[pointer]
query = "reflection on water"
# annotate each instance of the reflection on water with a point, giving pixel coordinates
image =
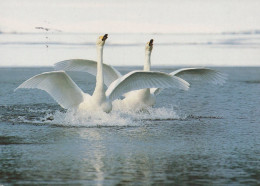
(98, 152)
(179, 152)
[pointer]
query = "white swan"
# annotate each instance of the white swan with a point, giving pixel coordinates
(140, 99)
(147, 97)
(63, 89)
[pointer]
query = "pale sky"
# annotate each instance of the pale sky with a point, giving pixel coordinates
(127, 16)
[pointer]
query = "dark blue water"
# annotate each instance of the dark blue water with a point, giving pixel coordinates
(208, 135)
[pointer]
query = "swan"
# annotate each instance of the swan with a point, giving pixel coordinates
(69, 96)
(140, 99)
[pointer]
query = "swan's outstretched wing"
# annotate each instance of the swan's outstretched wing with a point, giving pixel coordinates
(196, 74)
(201, 74)
(139, 80)
(59, 85)
(110, 73)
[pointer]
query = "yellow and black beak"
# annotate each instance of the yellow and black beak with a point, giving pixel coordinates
(104, 37)
(151, 42)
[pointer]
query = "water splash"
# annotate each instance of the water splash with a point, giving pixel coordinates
(118, 117)
(44, 114)
(90, 119)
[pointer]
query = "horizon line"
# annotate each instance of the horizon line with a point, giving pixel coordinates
(53, 31)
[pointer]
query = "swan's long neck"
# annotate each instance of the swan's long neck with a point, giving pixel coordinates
(99, 90)
(147, 67)
(147, 63)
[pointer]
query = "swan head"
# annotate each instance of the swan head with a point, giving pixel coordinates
(101, 40)
(149, 45)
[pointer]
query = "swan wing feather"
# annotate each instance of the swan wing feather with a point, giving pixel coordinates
(59, 85)
(139, 80)
(89, 66)
(200, 74)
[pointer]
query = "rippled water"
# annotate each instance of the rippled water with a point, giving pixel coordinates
(208, 135)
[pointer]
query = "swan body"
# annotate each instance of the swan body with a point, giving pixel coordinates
(69, 96)
(138, 100)
(91, 103)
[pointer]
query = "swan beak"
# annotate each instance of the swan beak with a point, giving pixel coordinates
(104, 37)
(151, 42)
